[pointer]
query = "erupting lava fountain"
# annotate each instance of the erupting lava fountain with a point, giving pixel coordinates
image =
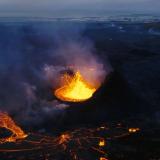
(74, 88)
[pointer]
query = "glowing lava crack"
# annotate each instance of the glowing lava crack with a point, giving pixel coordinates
(74, 89)
(8, 123)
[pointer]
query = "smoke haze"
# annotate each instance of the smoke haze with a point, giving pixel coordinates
(31, 58)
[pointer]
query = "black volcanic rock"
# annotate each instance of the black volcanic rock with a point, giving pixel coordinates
(114, 100)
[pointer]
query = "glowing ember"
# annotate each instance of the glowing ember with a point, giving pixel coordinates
(8, 123)
(102, 158)
(64, 138)
(133, 130)
(102, 143)
(75, 89)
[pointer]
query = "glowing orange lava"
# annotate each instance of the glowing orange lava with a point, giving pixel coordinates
(103, 158)
(102, 143)
(133, 130)
(8, 123)
(64, 138)
(74, 89)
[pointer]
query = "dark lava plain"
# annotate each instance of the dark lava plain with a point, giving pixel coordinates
(130, 95)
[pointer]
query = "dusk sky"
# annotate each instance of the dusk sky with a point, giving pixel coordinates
(84, 7)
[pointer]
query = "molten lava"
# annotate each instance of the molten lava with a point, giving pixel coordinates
(9, 124)
(133, 130)
(102, 143)
(74, 89)
(64, 138)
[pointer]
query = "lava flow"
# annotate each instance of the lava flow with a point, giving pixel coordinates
(9, 124)
(75, 88)
(76, 144)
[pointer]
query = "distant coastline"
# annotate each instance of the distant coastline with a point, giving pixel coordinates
(125, 18)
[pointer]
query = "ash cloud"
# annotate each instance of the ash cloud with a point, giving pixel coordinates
(31, 57)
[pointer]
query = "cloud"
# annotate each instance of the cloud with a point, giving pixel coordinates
(60, 7)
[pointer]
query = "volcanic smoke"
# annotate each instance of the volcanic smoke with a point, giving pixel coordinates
(80, 74)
